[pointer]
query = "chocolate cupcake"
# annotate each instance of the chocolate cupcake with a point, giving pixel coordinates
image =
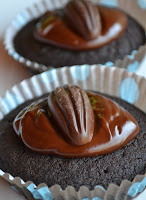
(108, 36)
(77, 170)
(65, 124)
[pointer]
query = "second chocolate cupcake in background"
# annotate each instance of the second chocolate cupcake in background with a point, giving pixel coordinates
(79, 47)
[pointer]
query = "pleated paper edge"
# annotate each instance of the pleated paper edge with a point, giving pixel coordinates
(126, 191)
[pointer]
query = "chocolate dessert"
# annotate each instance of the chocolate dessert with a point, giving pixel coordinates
(80, 33)
(73, 137)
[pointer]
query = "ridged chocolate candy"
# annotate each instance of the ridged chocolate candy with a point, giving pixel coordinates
(73, 114)
(84, 18)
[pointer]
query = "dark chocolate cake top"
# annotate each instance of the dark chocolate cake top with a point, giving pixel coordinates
(124, 163)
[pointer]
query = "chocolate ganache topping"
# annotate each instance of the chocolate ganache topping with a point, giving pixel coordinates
(83, 26)
(75, 123)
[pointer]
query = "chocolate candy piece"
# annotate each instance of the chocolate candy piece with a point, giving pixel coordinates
(61, 132)
(79, 26)
(73, 114)
(84, 18)
(90, 171)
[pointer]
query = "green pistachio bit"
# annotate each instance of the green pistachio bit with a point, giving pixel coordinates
(96, 103)
(93, 101)
(32, 107)
(54, 97)
(20, 115)
(99, 115)
(93, 107)
(49, 113)
(37, 113)
(45, 23)
(67, 91)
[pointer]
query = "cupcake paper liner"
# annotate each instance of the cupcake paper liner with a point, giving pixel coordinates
(39, 8)
(112, 81)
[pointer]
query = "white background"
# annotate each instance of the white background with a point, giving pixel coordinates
(9, 9)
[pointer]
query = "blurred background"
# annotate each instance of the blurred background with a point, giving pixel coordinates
(11, 72)
(9, 9)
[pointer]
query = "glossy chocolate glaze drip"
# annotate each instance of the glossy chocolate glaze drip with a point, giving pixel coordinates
(79, 29)
(114, 127)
